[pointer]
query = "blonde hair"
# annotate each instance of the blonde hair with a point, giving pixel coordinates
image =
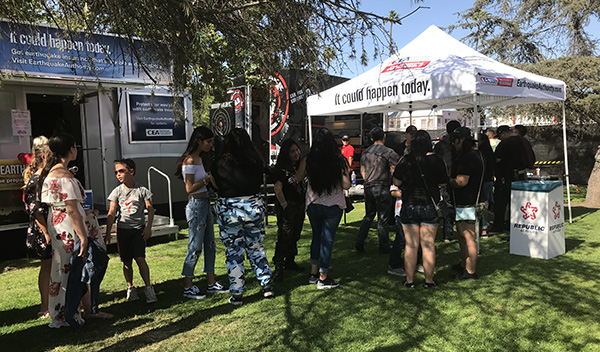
(40, 151)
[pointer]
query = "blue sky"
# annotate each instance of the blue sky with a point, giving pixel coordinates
(441, 13)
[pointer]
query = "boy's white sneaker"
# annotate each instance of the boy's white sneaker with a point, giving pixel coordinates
(132, 294)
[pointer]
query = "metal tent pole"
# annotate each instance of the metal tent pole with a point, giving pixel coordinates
(566, 162)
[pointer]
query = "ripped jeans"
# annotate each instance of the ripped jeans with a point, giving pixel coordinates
(201, 234)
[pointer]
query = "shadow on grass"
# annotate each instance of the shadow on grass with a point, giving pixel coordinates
(128, 317)
(15, 264)
(519, 303)
(524, 300)
(580, 211)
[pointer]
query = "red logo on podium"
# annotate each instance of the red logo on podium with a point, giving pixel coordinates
(556, 210)
(529, 211)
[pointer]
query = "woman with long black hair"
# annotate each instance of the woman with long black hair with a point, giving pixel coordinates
(289, 207)
(63, 193)
(238, 174)
(420, 174)
(194, 168)
(327, 171)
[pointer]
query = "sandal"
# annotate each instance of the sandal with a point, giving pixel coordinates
(43, 315)
(409, 284)
(430, 284)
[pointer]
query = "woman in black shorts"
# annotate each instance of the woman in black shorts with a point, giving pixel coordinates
(419, 175)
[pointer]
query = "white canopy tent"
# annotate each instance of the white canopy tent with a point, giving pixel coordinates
(434, 71)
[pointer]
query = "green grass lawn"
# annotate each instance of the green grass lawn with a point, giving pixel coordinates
(518, 304)
(578, 193)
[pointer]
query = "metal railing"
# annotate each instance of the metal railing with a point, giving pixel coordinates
(152, 168)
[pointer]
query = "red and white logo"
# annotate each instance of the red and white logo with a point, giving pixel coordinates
(529, 211)
(405, 65)
(556, 210)
(505, 82)
(496, 81)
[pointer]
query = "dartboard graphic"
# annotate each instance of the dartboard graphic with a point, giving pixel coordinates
(237, 97)
(280, 103)
(221, 120)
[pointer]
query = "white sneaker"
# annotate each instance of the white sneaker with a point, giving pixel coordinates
(193, 293)
(150, 295)
(420, 268)
(216, 288)
(132, 294)
(397, 271)
(55, 324)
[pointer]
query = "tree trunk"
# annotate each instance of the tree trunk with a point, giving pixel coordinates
(592, 197)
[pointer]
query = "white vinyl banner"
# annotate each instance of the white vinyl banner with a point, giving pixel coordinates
(537, 223)
(435, 71)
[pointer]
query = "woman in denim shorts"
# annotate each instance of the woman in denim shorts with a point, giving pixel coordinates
(419, 175)
(466, 182)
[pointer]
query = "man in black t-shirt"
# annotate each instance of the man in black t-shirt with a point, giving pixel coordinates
(465, 182)
(445, 149)
(510, 166)
(376, 166)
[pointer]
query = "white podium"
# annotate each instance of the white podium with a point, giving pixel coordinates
(537, 226)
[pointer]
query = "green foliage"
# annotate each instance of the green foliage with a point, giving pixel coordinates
(527, 31)
(205, 45)
(548, 38)
(209, 43)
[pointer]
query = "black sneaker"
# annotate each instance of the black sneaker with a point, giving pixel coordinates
(268, 292)
(360, 247)
(313, 279)
(236, 300)
(278, 275)
(465, 275)
(292, 266)
(327, 283)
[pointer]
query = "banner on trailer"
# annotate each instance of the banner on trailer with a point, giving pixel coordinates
(46, 50)
(11, 174)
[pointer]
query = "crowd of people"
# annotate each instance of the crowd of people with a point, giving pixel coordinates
(413, 187)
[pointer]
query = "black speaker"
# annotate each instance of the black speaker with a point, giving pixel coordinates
(222, 119)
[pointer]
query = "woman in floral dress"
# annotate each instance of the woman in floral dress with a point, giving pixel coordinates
(63, 193)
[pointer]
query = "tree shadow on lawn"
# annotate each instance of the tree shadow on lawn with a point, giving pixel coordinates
(578, 210)
(128, 316)
(16, 264)
(510, 288)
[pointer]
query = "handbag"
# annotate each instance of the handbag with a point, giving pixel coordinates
(438, 205)
(349, 206)
(481, 209)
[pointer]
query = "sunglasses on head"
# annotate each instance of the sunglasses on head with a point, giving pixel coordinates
(120, 171)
